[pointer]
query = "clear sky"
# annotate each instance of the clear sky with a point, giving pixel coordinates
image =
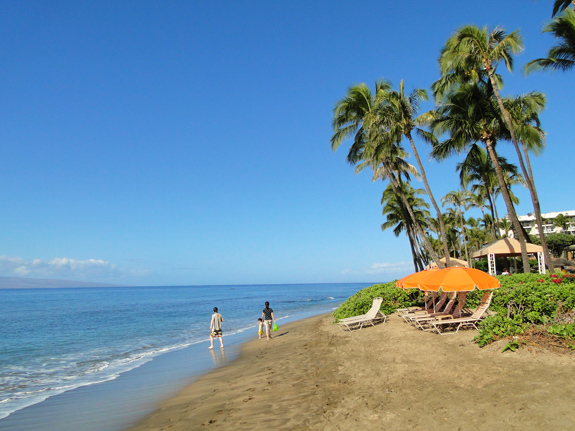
(187, 142)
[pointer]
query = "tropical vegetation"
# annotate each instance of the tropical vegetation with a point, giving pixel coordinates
(470, 116)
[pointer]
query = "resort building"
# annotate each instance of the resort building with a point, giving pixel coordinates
(549, 226)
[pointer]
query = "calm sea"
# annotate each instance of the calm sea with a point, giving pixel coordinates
(56, 340)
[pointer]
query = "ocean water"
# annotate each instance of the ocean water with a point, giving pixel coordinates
(57, 340)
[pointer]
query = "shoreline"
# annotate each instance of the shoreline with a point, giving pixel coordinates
(312, 376)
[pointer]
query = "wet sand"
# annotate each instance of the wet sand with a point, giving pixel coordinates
(312, 376)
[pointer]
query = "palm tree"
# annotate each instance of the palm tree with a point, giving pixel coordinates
(561, 5)
(561, 221)
(459, 200)
(561, 56)
(386, 160)
(477, 171)
(524, 111)
(471, 48)
(505, 226)
(394, 212)
(471, 115)
(401, 120)
(359, 115)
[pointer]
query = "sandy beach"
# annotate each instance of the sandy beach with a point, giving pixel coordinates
(312, 376)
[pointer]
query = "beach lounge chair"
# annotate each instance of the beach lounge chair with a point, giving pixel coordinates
(434, 308)
(421, 320)
(373, 316)
(439, 325)
(428, 304)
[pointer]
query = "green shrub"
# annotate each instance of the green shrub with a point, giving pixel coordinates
(524, 300)
(496, 327)
(393, 298)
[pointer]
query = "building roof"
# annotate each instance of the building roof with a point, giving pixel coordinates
(505, 247)
(570, 213)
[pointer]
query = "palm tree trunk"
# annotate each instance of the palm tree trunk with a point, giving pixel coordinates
(412, 245)
(509, 204)
(507, 118)
(464, 233)
(537, 209)
(493, 214)
(433, 202)
(427, 245)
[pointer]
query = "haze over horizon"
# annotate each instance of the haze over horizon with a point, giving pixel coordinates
(185, 143)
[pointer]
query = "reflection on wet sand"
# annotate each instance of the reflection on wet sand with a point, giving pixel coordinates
(220, 359)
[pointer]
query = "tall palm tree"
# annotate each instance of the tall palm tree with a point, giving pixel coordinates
(472, 46)
(400, 120)
(471, 115)
(359, 115)
(524, 111)
(562, 55)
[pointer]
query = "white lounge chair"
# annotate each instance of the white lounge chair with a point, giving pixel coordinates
(373, 316)
(421, 321)
(461, 322)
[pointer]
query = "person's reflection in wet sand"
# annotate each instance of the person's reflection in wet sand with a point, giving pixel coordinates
(219, 360)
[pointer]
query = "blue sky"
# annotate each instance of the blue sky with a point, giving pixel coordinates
(182, 142)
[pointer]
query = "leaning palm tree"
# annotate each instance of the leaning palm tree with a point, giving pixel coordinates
(394, 213)
(385, 158)
(400, 120)
(471, 115)
(562, 55)
(359, 115)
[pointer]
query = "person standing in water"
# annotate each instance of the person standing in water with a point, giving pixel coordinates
(268, 316)
(216, 328)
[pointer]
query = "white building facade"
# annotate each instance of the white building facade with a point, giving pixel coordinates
(530, 225)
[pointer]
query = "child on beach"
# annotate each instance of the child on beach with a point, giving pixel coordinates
(216, 328)
(260, 328)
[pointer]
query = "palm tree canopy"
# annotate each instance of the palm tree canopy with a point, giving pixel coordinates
(470, 49)
(524, 111)
(353, 116)
(394, 212)
(561, 56)
(468, 116)
(561, 5)
(477, 168)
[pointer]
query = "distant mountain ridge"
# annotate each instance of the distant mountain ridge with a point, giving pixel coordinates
(38, 283)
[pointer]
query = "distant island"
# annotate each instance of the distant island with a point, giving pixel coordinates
(38, 283)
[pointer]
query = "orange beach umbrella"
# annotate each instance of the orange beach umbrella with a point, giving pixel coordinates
(412, 280)
(456, 279)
